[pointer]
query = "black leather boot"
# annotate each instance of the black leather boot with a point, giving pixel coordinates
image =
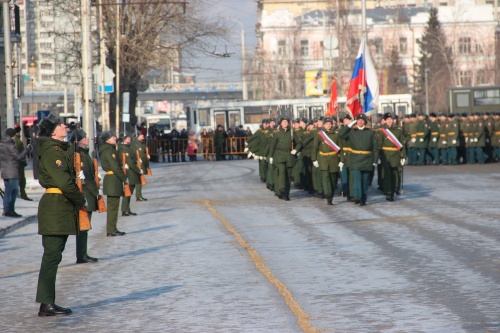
(52, 310)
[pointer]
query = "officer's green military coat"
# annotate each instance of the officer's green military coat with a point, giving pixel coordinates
(452, 133)
(364, 147)
(254, 142)
(113, 183)
(422, 134)
(89, 186)
(133, 172)
(281, 146)
(57, 213)
(327, 158)
(434, 134)
(388, 152)
(141, 147)
(495, 136)
(443, 133)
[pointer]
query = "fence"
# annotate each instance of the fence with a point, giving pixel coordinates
(175, 149)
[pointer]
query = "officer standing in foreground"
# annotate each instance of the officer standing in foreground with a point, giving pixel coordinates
(280, 151)
(90, 191)
(113, 181)
(58, 208)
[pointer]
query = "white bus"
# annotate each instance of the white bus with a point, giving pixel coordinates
(250, 113)
(161, 122)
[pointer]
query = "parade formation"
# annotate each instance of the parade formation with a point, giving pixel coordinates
(315, 154)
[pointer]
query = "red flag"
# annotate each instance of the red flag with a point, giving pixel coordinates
(332, 107)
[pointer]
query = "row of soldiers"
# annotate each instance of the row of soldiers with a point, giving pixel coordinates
(452, 139)
(317, 153)
(72, 193)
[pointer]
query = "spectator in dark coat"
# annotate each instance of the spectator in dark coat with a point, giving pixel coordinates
(9, 166)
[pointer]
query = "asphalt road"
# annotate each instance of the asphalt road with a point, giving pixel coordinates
(212, 250)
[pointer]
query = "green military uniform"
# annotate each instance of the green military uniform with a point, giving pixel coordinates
(112, 183)
(391, 156)
(280, 149)
(219, 143)
(305, 146)
(363, 156)
(346, 175)
(495, 138)
(90, 191)
(422, 139)
(268, 139)
(133, 173)
(442, 143)
(316, 173)
(298, 168)
(57, 210)
(434, 138)
(453, 139)
(328, 159)
(140, 146)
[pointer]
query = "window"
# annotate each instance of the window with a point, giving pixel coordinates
(481, 77)
(281, 84)
(46, 45)
(465, 78)
(46, 66)
(45, 34)
(487, 97)
(304, 48)
(379, 46)
(47, 77)
(479, 48)
(282, 47)
(204, 116)
(462, 100)
(403, 45)
(464, 45)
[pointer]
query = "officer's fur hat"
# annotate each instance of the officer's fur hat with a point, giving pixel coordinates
(284, 118)
(346, 116)
(362, 116)
(387, 115)
(327, 120)
(49, 124)
(106, 135)
(433, 114)
(303, 119)
(77, 135)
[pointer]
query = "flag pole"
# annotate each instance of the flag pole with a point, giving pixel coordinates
(363, 19)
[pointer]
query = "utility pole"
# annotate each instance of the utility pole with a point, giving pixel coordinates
(117, 88)
(88, 115)
(8, 64)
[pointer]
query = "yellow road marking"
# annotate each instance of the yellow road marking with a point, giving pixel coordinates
(302, 317)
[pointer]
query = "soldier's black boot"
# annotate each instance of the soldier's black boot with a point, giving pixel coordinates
(52, 310)
(329, 201)
(387, 197)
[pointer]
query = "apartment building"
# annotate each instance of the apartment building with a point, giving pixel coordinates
(296, 37)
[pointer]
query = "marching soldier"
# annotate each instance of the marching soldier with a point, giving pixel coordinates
(452, 138)
(363, 155)
(280, 151)
(392, 154)
(113, 181)
(495, 137)
(90, 191)
(268, 139)
(346, 176)
(325, 156)
(304, 147)
(316, 173)
(139, 147)
(57, 210)
(470, 142)
(128, 155)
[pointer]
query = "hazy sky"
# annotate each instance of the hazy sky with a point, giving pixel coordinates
(216, 69)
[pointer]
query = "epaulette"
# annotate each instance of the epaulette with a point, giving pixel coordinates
(57, 148)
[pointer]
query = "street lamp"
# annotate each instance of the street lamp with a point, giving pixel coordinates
(243, 55)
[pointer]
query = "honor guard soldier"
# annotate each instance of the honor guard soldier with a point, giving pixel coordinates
(113, 181)
(434, 137)
(57, 210)
(281, 150)
(392, 154)
(363, 155)
(139, 147)
(442, 143)
(495, 137)
(345, 174)
(422, 138)
(129, 160)
(453, 139)
(326, 157)
(316, 173)
(89, 190)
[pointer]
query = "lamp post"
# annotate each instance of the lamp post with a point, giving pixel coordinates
(243, 55)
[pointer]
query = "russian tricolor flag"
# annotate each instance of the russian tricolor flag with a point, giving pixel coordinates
(362, 96)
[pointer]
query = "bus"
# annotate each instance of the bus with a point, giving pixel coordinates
(249, 114)
(160, 122)
(474, 99)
